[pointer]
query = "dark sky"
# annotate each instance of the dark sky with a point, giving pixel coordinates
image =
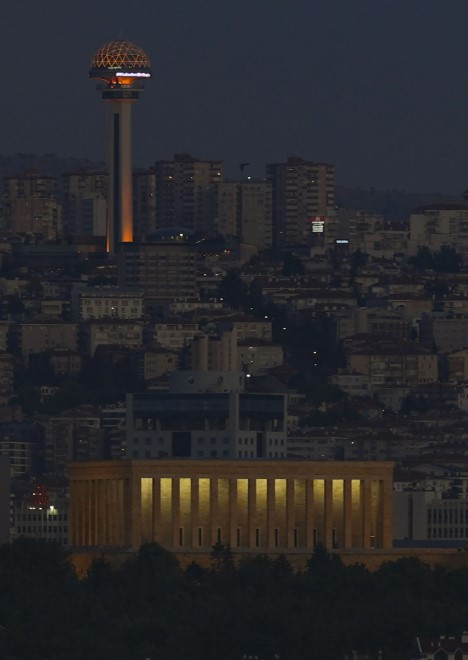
(379, 87)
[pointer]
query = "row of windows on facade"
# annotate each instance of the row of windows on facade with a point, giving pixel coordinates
(200, 454)
(447, 533)
(214, 441)
(450, 515)
(41, 516)
(213, 453)
(56, 529)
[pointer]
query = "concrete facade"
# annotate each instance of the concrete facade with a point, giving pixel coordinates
(263, 505)
(4, 499)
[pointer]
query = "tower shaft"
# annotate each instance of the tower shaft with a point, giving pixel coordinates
(120, 201)
(121, 65)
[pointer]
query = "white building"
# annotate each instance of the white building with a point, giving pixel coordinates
(47, 522)
(107, 302)
(206, 415)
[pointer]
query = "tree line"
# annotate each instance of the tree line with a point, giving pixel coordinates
(151, 608)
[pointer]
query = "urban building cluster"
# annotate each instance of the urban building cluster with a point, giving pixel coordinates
(227, 360)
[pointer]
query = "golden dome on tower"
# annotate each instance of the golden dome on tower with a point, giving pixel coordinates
(120, 55)
(120, 63)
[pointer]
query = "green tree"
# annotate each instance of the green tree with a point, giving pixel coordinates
(233, 290)
(447, 260)
(292, 265)
(423, 260)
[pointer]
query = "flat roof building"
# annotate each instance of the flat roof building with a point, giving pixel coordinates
(267, 506)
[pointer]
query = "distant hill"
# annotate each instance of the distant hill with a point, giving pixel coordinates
(392, 204)
(44, 164)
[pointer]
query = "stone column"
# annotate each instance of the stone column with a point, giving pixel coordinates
(309, 513)
(134, 509)
(74, 515)
(156, 508)
(106, 528)
(271, 513)
(90, 509)
(233, 512)
(213, 510)
(348, 513)
(175, 512)
(108, 498)
(96, 512)
(194, 510)
(366, 510)
(252, 503)
(386, 511)
(120, 512)
(81, 514)
(290, 518)
(328, 514)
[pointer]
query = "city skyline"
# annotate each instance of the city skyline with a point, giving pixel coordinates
(376, 90)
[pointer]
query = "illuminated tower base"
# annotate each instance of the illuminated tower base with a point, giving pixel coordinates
(120, 206)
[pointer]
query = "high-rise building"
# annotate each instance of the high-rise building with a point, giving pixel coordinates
(30, 206)
(121, 65)
(183, 191)
(85, 203)
(164, 267)
(144, 203)
(244, 209)
(303, 194)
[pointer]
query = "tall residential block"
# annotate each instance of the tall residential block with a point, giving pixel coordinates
(144, 203)
(31, 206)
(85, 203)
(164, 268)
(183, 191)
(303, 194)
(244, 209)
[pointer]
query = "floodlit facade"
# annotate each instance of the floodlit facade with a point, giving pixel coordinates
(264, 505)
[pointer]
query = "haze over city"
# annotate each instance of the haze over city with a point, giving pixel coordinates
(378, 89)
